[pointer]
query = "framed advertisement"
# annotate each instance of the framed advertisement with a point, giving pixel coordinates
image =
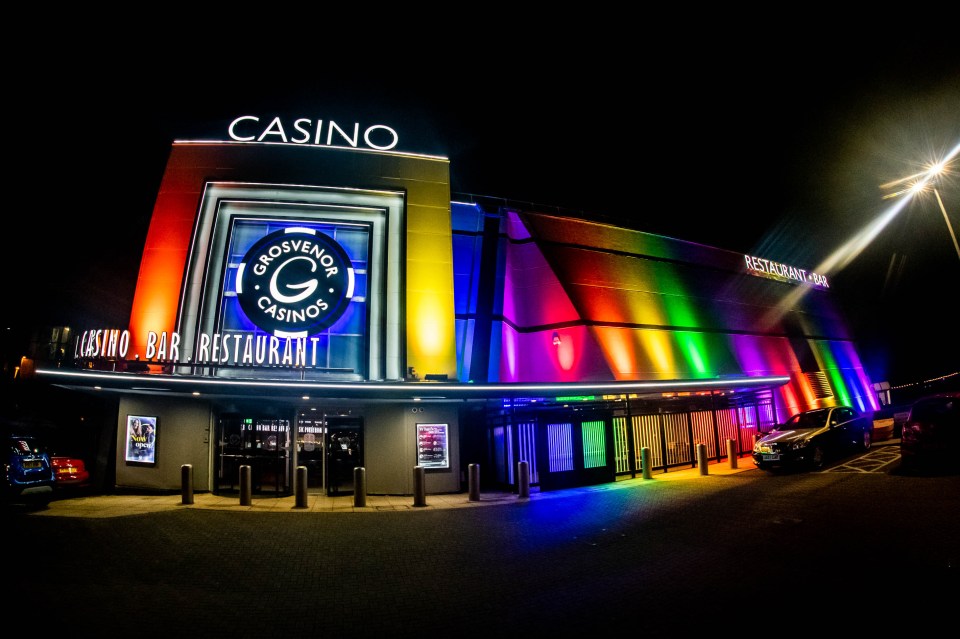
(433, 450)
(141, 440)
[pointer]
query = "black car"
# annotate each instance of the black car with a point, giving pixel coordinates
(930, 438)
(28, 471)
(809, 438)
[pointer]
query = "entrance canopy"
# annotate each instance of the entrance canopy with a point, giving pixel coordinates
(212, 388)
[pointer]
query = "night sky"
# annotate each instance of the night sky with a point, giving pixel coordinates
(774, 146)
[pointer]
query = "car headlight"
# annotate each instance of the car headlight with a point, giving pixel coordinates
(797, 445)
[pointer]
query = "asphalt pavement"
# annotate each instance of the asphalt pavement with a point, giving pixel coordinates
(856, 548)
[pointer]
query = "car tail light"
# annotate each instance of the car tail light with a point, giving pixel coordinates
(67, 466)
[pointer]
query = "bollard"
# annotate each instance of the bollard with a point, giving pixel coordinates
(523, 480)
(474, 481)
(645, 462)
(300, 487)
(186, 484)
(359, 487)
(732, 453)
(702, 460)
(419, 486)
(246, 485)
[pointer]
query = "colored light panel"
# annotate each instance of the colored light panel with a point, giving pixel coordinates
(594, 444)
(509, 350)
(560, 447)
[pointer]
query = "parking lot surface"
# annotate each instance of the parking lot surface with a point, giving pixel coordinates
(680, 554)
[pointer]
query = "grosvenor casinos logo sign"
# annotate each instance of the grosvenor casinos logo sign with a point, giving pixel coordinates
(295, 282)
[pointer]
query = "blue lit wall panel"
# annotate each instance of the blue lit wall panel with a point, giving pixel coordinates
(560, 447)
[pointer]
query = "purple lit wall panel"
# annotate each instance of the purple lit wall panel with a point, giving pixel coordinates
(532, 294)
(533, 357)
(515, 228)
(763, 355)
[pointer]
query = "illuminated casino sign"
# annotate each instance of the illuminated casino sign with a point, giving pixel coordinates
(252, 128)
(784, 273)
(295, 282)
(218, 349)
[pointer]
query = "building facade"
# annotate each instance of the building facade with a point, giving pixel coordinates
(334, 306)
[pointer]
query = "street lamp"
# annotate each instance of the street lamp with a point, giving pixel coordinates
(918, 182)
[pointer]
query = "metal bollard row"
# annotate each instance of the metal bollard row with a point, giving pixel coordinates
(702, 460)
(474, 481)
(359, 487)
(732, 453)
(300, 487)
(246, 485)
(186, 484)
(523, 480)
(419, 486)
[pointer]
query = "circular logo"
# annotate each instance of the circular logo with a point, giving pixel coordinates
(295, 282)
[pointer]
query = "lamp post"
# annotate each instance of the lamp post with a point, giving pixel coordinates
(918, 182)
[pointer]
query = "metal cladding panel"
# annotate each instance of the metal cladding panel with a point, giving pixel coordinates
(422, 180)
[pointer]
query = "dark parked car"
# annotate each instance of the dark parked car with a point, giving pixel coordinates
(28, 471)
(809, 438)
(930, 439)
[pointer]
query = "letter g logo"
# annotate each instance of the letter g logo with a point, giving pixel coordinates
(300, 295)
(308, 287)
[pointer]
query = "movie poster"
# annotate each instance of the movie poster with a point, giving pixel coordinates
(141, 439)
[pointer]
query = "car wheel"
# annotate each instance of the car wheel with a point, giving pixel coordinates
(867, 440)
(817, 457)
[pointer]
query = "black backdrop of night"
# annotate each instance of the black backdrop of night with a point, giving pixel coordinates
(776, 154)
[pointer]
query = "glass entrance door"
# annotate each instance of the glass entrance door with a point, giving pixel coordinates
(261, 443)
(310, 449)
(344, 453)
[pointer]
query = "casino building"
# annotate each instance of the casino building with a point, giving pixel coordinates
(322, 300)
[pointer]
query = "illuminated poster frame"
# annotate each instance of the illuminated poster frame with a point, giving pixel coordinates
(433, 446)
(140, 448)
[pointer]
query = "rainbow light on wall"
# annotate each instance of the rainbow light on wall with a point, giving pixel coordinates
(588, 301)
(157, 295)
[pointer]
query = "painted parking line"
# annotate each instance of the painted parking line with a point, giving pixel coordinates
(877, 460)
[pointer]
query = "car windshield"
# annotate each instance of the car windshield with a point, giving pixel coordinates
(809, 419)
(22, 447)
